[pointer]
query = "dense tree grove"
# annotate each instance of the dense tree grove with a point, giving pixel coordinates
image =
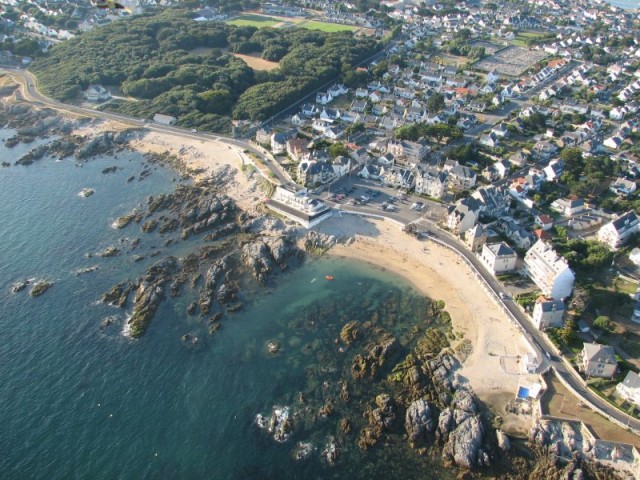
(180, 67)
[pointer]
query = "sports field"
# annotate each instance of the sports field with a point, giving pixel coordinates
(261, 21)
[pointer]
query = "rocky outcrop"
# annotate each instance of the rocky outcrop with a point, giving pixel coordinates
(257, 257)
(377, 354)
(419, 420)
(40, 287)
(149, 294)
(462, 427)
(562, 438)
(118, 294)
(101, 144)
(278, 423)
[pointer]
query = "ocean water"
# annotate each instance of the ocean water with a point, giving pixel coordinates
(78, 400)
(626, 4)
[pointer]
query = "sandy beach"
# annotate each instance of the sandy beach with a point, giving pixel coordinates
(495, 367)
(200, 157)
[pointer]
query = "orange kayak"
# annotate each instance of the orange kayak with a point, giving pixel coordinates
(329, 277)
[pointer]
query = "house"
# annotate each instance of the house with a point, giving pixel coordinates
(312, 173)
(432, 182)
(323, 98)
(629, 388)
(476, 237)
(515, 232)
(548, 313)
(398, 177)
(500, 130)
(613, 142)
(410, 152)
(463, 215)
(341, 166)
(623, 187)
(370, 172)
(616, 232)
(494, 201)
(545, 221)
(164, 119)
(498, 257)
(598, 360)
(97, 93)
(358, 106)
(279, 142)
(462, 178)
(549, 271)
(568, 206)
(554, 169)
(297, 149)
(489, 140)
(263, 137)
(309, 109)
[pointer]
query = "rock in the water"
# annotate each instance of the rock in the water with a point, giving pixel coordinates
(278, 423)
(40, 287)
(419, 420)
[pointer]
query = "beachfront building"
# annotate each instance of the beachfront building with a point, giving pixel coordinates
(549, 271)
(616, 232)
(432, 182)
(548, 313)
(298, 206)
(463, 215)
(498, 257)
(629, 388)
(598, 360)
(476, 237)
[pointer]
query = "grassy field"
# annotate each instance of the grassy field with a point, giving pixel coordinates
(260, 21)
(326, 27)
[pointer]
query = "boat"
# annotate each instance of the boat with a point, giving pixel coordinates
(329, 277)
(86, 192)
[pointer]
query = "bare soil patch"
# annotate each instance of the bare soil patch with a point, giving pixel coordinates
(257, 63)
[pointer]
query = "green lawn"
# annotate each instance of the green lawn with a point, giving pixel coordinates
(631, 344)
(259, 21)
(325, 27)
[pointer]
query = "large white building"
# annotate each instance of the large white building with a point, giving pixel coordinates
(298, 206)
(549, 271)
(498, 257)
(616, 232)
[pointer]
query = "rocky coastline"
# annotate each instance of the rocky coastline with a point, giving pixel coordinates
(390, 391)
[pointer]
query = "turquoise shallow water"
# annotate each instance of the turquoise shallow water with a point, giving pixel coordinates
(80, 401)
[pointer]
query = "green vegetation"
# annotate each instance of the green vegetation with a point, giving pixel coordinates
(183, 68)
(437, 131)
(584, 256)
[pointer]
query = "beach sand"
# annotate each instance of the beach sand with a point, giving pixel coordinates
(200, 156)
(495, 367)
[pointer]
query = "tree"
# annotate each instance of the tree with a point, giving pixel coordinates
(604, 323)
(569, 332)
(435, 103)
(338, 149)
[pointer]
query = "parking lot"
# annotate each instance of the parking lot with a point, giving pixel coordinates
(371, 197)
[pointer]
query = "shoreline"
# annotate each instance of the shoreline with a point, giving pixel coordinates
(494, 368)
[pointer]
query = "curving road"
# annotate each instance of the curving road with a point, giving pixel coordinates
(547, 351)
(30, 92)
